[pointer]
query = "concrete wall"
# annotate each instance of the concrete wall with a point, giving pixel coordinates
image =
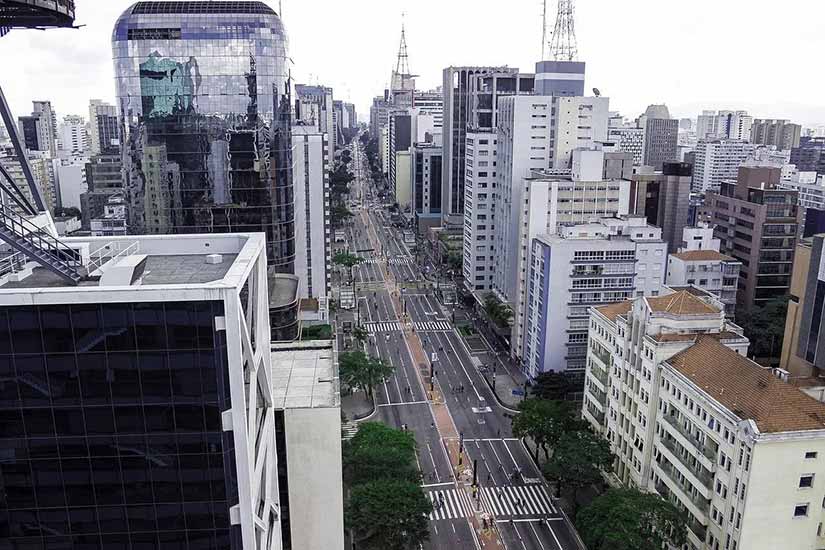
(316, 500)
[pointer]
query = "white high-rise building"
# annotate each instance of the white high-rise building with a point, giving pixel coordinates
(578, 122)
(602, 262)
(711, 125)
(70, 180)
(310, 177)
(431, 103)
(731, 443)
(479, 210)
(716, 161)
(629, 139)
(73, 139)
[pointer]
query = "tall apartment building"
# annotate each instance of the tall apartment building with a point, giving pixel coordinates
(575, 123)
(350, 117)
(39, 131)
(72, 137)
(426, 185)
(777, 132)
(730, 443)
(479, 210)
(661, 141)
(430, 103)
(400, 143)
(70, 180)
(724, 125)
(629, 139)
(104, 138)
(314, 106)
(810, 155)
(194, 158)
(540, 204)
(103, 179)
(471, 102)
(138, 408)
(717, 161)
(602, 262)
(313, 240)
(42, 170)
(379, 112)
(700, 264)
(757, 222)
(663, 198)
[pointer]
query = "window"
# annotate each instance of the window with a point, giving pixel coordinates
(800, 511)
(806, 481)
(810, 454)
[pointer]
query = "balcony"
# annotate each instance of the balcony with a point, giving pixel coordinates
(698, 530)
(707, 449)
(599, 395)
(701, 474)
(600, 375)
(697, 501)
(602, 354)
(597, 415)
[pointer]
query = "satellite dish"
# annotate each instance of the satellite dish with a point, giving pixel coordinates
(596, 92)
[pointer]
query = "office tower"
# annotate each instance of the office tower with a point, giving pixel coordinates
(757, 222)
(103, 180)
(578, 122)
(138, 408)
(724, 125)
(661, 141)
(338, 120)
(350, 117)
(732, 444)
(426, 183)
(629, 139)
(314, 106)
(584, 265)
(795, 357)
(541, 203)
(205, 107)
(777, 132)
(400, 142)
(39, 131)
(479, 210)
(810, 155)
(664, 199)
(430, 103)
(72, 137)
(718, 161)
(379, 113)
(104, 138)
(699, 263)
(461, 103)
(312, 213)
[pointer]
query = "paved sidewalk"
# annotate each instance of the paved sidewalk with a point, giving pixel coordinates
(356, 405)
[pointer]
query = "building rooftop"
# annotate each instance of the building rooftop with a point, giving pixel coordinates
(747, 389)
(213, 6)
(702, 256)
(303, 375)
(283, 289)
(680, 303)
(611, 311)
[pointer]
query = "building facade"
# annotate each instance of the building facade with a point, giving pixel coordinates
(718, 161)
(629, 139)
(426, 174)
(780, 133)
(663, 198)
(810, 155)
(194, 158)
(479, 255)
(661, 141)
(104, 136)
(72, 137)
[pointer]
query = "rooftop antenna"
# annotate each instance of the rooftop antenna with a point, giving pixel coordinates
(543, 30)
(563, 41)
(402, 65)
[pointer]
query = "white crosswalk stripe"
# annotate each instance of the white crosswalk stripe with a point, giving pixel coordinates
(448, 504)
(387, 326)
(391, 261)
(348, 430)
(522, 500)
(433, 326)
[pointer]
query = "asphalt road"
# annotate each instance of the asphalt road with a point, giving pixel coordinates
(512, 489)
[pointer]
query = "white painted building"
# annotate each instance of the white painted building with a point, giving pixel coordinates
(479, 210)
(629, 139)
(580, 122)
(687, 415)
(310, 177)
(70, 180)
(602, 262)
(73, 140)
(717, 161)
(431, 103)
(713, 125)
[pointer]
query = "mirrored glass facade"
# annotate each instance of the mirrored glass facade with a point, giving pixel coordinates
(204, 98)
(110, 428)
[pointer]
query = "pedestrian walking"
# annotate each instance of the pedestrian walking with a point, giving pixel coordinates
(432, 424)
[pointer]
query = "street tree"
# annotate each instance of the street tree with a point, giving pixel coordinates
(347, 260)
(358, 370)
(388, 514)
(360, 334)
(379, 452)
(627, 519)
(498, 312)
(552, 385)
(578, 460)
(544, 421)
(764, 325)
(339, 214)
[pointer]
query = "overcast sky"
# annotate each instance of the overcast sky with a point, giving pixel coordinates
(759, 55)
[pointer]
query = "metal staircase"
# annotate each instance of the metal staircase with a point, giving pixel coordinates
(40, 246)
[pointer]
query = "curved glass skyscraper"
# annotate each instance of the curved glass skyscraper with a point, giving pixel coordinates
(204, 98)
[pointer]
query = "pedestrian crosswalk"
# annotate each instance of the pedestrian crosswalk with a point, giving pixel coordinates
(521, 500)
(392, 326)
(348, 430)
(449, 504)
(391, 261)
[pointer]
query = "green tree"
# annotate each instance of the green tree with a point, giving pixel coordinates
(626, 519)
(360, 334)
(379, 452)
(498, 312)
(347, 260)
(765, 326)
(339, 213)
(358, 370)
(579, 458)
(388, 514)
(67, 212)
(552, 385)
(545, 422)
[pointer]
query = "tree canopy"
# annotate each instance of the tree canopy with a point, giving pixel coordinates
(552, 385)
(626, 519)
(378, 451)
(578, 460)
(765, 326)
(388, 514)
(498, 312)
(544, 421)
(358, 370)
